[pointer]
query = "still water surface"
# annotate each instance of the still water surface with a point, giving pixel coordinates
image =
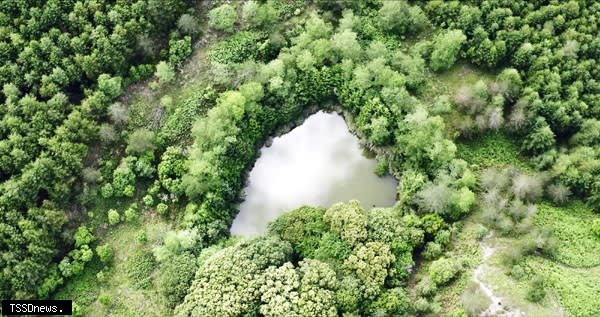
(318, 163)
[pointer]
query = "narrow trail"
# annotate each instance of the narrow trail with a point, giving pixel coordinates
(498, 307)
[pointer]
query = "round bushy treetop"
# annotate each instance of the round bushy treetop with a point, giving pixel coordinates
(305, 291)
(349, 220)
(110, 86)
(401, 18)
(370, 263)
(317, 289)
(383, 225)
(105, 252)
(164, 72)
(393, 302)
(302, 228)
(446, 48)
(443, 270)
(222, 18)
(279, 293)
(113, 217)
(228, 283)
(83, 236)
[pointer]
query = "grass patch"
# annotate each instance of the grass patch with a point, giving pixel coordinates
(578, 290)
(572, 277)
(492, 149)
(124, 299)
(572, 225)
(447, 82)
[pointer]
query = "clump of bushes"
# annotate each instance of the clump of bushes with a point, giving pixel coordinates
(443, 270)
(139, 268)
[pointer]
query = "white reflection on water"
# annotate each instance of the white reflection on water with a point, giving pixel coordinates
(318, 163)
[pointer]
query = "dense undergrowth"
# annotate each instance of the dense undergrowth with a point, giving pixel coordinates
(486, 112)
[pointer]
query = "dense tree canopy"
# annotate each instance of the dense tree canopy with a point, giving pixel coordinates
(95, 132)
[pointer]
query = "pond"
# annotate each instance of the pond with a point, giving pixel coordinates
(318, 163)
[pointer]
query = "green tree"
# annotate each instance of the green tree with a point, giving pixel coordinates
(164, 72)
(349, 220)
(222, 18)
(401, 18)
(393, 302)
(141, 141)
(83, 236)
(110, 86)
(370, 263)
(105, 252)
(446, 48)
(228, 283)
(443, 270)
(188, 24)
(179, 50)
(302, 228)
(113, 217)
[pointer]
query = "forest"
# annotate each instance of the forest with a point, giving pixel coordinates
(129, 130)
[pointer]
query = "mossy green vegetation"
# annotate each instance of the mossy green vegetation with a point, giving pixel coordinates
(127, 130)
(492, 149)
(576, 289)
(114, 281)
(572, 225)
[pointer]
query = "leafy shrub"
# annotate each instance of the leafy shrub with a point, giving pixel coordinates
(559, 193)
(107, 191)
(393, 302)
(83, 236)
(51, 282)
(517, 272)
(188, 24)
(222, 18)
(443, 270)
(164, 72)
(401, 18)
(140, 141)
(432, 251)
(148, 200)
(421, 305)
(179, 124)
(537, 290)
(527, 187)
(105, 252)
(302, 228)
(481, 232)
(141, 236)
(242, 46)
(162, 209)
(446, 49)
(176, 242)
(139, 268)
(180, 50)
(175, 277)
(131, 214)
(426, 287)
(113, 217)
(105, 299)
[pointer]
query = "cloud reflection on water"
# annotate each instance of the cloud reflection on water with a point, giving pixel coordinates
(318, 163)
